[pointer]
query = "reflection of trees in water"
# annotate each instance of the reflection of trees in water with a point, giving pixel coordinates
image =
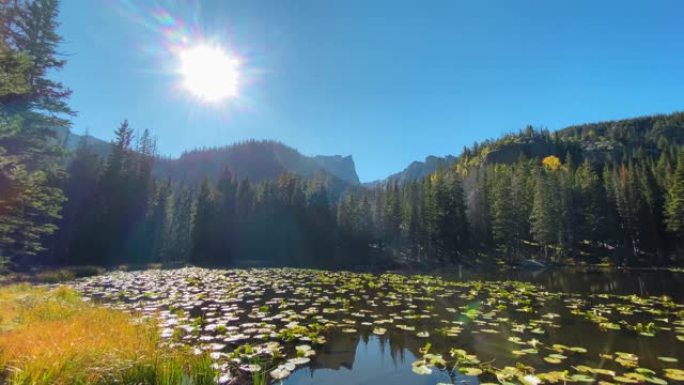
(642, 283)
(339, 352)
(397, 345)
(586, 281)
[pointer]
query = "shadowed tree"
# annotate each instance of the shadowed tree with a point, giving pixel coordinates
(674, 201)
(31, 107)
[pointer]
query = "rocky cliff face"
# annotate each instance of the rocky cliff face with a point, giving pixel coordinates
(341, 166)
(418, 170)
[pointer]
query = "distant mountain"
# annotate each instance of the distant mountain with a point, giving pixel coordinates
(418, 170)
(262, 160)
(342, 167)
(258, 160)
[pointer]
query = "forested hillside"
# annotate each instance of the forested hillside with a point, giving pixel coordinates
(610, 191)
(607, 189)
(256, 160)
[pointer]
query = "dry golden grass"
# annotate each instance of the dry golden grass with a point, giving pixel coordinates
(55, 338)
(13, 301)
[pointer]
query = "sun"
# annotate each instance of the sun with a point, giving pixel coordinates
(209, 73)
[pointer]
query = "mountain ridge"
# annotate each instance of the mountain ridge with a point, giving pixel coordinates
(256, 160)
(596, 141)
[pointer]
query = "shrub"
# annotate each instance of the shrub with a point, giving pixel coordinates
(68, 273)
(86, 270)
(55, 276)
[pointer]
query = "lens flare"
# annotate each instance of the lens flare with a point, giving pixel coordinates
(202, 63)
(209, 73)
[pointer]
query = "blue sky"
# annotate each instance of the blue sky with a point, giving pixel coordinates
(388, 82)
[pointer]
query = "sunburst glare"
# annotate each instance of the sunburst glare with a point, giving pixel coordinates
(209, 73)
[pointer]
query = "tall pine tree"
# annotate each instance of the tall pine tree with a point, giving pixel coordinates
(31, 107)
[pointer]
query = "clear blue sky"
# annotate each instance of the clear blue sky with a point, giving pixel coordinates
(386, 81)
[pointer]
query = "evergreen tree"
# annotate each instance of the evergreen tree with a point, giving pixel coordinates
(447, 221)
(79, 214)
(674, 201)
(592, 203)
(391, 215)
(628, 202)
(31, 107)
(545, 214)
(179, 240)
(203, 233)
(158, 224)
(522, 188)
(226, 220)
(502, 210)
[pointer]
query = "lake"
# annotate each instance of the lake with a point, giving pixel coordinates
(508, 326)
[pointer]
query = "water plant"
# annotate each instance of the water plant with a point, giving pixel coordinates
(263, 324)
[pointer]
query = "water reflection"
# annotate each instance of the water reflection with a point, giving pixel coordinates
(584, 281)
(354, 360)
(369, 360)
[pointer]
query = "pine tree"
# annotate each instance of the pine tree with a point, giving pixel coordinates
(78, 219)
(591, 202)
(115, 197)
(674, 201)
(158, 224)
(391, 214)
(545, 214)
(180, 230)
(477, 184)
(203, 232)
(226, 220)
(522, 188)
(31, 107)
(446, 219)
(502, 211)
(629, 205)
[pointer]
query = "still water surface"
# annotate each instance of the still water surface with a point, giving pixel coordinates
(372, 360)
(380, 325)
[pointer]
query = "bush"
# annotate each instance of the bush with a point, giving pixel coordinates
(86, 271)
(55, 276)
(68, 273)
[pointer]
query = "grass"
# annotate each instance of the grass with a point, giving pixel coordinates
(53, 337)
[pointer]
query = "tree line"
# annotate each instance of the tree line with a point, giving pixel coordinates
(542, 208)
(117, 212)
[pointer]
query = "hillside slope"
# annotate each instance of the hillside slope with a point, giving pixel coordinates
(258, 160)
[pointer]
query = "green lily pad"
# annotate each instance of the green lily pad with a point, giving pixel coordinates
(421, 369)
(471, 371)
(670, 360)
(674, 374)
